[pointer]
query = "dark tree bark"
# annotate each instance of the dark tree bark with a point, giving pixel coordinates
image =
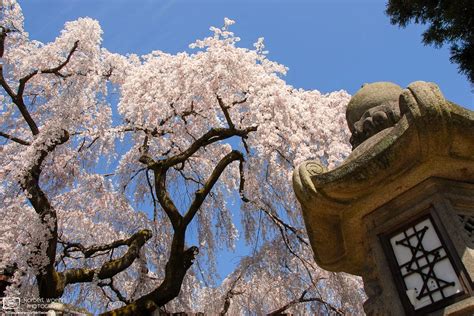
(180, 257)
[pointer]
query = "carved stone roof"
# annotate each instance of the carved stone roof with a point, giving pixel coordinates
(432, 138)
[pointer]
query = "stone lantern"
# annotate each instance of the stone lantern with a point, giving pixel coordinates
(399, 211)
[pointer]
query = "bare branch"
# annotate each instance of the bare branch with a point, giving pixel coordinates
(15, 139)
(164, 198)
(225, 110)
(137, 172)
(150, 186)
(231, 293)
(278, 221)
(212, 136)
(45, 210)
(186, 178)
(89, 251)
(18, 100)
(88, 146)
(116, 291)
(109, 268)
(284, 158)
(123, 129)
(241, 101)
(202, 193)
(246, 146)
(5, 85)
(303, 299)
(26, 114)
(273, 215)
(55, 70)
(242, 182)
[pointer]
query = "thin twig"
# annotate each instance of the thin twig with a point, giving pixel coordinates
(15, 139)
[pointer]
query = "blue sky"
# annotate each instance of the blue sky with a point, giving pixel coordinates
(327, 45)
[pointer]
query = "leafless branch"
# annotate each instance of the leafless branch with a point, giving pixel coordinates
(187, 178)
(116, 291)
(303, 299)
(279, 222)
(89, 251)
(150, 186)
(212, 136)
(109, 268)
(231, 293)
(18, 100)
(55, 70)
(133, 177)
(225, 110)
(15, 139)
(202, 193)
(163, 196)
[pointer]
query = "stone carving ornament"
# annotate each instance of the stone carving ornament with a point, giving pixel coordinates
(372, 109)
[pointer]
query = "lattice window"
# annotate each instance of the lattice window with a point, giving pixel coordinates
(423, 265)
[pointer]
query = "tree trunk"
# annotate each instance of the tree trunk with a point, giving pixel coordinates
(180, 260)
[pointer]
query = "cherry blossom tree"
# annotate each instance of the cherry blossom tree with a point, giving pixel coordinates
(100, 199)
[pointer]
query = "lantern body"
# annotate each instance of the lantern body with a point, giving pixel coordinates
(419, 244)
(399, 211)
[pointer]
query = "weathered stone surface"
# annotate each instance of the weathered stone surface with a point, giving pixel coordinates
(373, 108)
(410, 147)
(440, 199)
(433, 138)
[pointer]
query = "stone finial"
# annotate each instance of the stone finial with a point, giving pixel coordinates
(372, 109)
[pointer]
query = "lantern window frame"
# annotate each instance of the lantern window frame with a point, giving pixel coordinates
(450, 252)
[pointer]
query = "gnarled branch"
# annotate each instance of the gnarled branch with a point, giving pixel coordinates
(55, 70)
(109, 268)
(44, 209)
(165, 200)
(17, 97)
(212, 136)
(90, 251)
(179, 262)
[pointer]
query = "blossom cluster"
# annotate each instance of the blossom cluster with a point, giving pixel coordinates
(101, 192)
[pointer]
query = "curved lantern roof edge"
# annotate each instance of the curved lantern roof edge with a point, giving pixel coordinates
(433, 138)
